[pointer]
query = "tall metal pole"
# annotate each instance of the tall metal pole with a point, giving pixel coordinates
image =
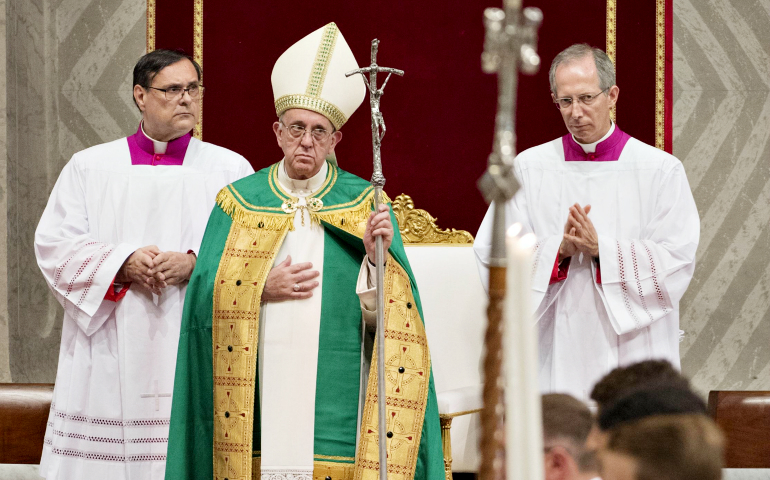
(378, 181)
(511, 37)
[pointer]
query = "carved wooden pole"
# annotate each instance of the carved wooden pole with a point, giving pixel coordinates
(511, 36)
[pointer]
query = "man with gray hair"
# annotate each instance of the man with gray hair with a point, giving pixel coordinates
(566, 424)
(605, 287)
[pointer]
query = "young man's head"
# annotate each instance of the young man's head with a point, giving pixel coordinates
(566, 424)
(670, 447)
(622, 379)
(648, 401)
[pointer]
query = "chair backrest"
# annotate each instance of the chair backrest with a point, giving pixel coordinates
(745, 419)
(453, 303)
(24, 409)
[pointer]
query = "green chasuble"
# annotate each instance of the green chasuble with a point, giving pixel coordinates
(215, 415)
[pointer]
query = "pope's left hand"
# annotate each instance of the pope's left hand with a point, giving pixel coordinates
(172, 268)
(585, 238)
(378, 225)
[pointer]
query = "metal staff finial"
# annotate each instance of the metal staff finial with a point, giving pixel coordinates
(378, 181)
(378, 122)
(511, 38)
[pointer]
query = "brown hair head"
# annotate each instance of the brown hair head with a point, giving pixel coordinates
(622, 379)
(567, 422)
(671, 447)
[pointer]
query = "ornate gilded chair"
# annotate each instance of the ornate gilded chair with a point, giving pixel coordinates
(454, 303)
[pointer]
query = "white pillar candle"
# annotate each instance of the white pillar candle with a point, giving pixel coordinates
(523, 421)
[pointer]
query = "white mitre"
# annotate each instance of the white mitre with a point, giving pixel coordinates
(311, 75)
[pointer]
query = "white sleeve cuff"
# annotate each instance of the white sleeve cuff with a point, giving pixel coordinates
(367, 292)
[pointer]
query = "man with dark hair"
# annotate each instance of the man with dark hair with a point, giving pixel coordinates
(149, 65)
(645, 400)
(622, 379)
(117, 244)
(617, 231)
(673, 447)
(566, 425)
(650, 400)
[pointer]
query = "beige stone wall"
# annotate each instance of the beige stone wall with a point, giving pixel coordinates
(5, 368)
(721, 132)
(69, 87)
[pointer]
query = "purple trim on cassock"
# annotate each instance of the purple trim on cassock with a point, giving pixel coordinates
(143, 151)
(606, 151)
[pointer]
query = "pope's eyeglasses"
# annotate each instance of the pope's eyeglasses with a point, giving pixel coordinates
(175, 92)
(585, 99)
(320, 135)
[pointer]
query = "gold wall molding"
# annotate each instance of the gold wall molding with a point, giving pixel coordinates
(660, 73)
(197, 48)
(418, 226)
(198, 56)
(611, 47)
(150, 38)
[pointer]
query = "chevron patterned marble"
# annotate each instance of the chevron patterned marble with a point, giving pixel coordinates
(5, 370)
(69, 87)
(721, 131)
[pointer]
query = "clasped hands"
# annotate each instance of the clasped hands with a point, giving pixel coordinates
(154, 270)
(579, 234)
(287, 281)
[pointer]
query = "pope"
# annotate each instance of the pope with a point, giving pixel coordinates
(274, 376)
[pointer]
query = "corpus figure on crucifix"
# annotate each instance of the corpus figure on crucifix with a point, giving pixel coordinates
(274, 374)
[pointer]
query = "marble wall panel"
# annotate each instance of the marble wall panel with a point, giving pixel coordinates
(5, 367)
(30, 112)
(70, 64)
(721, 134)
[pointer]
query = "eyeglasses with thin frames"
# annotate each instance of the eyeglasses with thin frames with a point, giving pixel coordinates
(174, 93)
(585, 99)
(320, 135)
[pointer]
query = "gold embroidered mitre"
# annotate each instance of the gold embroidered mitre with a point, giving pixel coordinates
(311, 75)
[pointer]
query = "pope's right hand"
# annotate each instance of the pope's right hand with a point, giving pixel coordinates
(136, 269)
(290, 282)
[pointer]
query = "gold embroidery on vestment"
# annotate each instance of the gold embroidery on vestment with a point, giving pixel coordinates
(248, 256)
(407, 366)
